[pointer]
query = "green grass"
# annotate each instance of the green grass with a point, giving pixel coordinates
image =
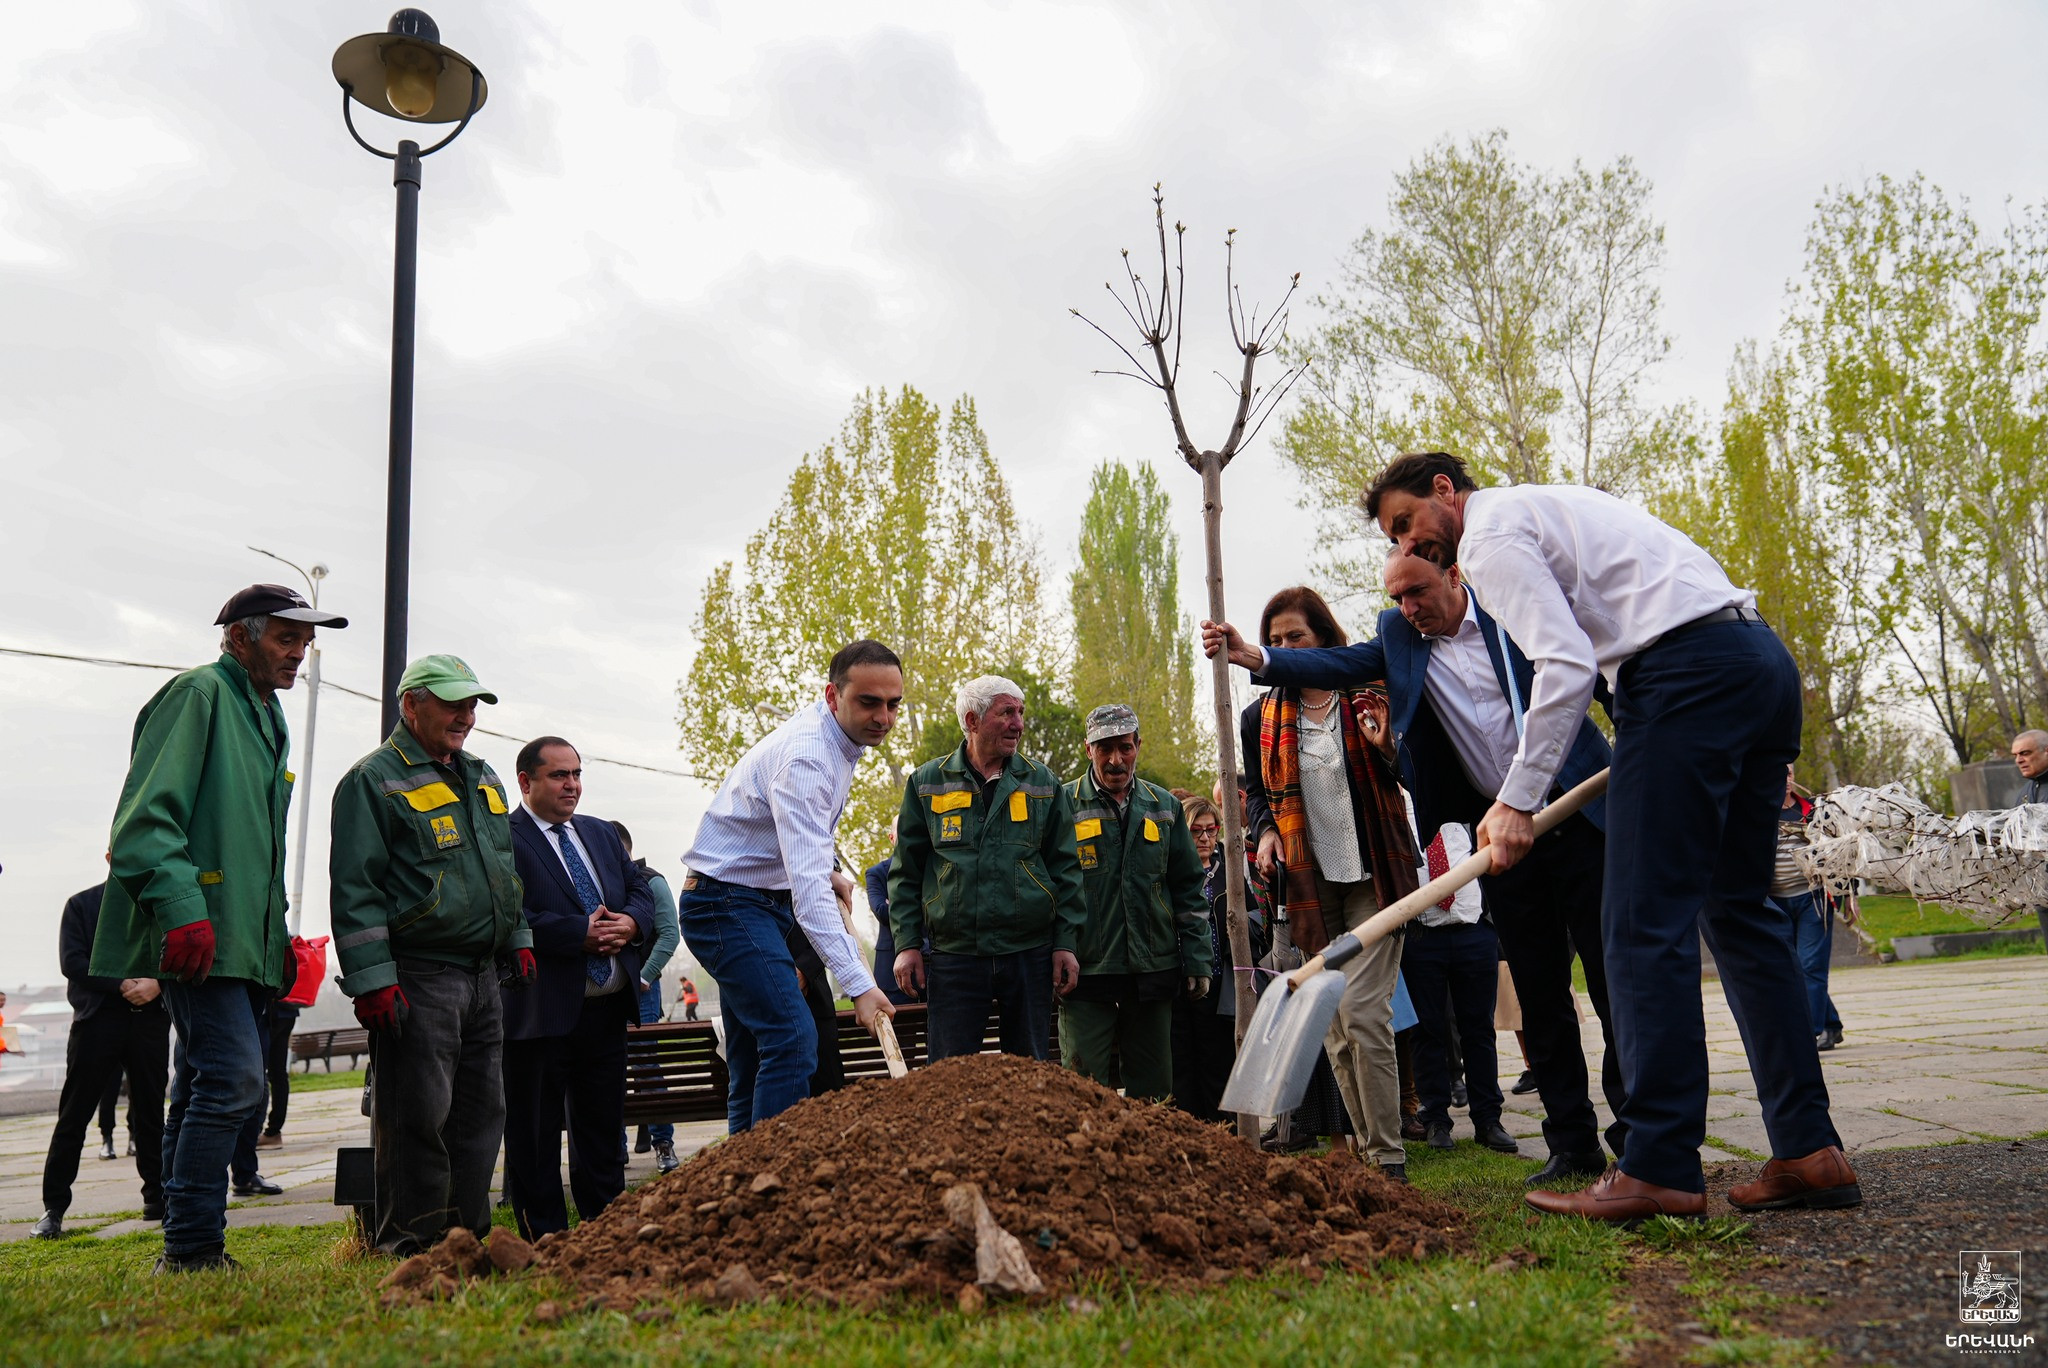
(1886, 917)
(327, 1082)
(1535, 1292)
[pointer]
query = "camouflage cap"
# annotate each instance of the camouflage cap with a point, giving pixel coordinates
(1111, 719)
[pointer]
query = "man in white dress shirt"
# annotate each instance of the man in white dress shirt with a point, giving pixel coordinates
(762, 864)
(1706, 707)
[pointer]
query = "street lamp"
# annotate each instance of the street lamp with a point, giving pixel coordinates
(406, 73)
(305, 776)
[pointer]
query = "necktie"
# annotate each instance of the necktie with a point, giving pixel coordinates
(599, 967)
(1439, 865)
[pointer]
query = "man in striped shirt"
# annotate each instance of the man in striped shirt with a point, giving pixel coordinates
(762, 864)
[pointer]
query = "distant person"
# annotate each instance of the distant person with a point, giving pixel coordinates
(1809, 913)
(660, 1137)
(197, 898)
(2030, 753)
(985, 875)
(762, 863)
(117, 1025)
(284, 1019)
(1205, 1028)
(427, 923)
(689, 991)
(1145, 939)
(110, 1101)
(592, 915)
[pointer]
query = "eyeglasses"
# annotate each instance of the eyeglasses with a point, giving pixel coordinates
(1205, 829)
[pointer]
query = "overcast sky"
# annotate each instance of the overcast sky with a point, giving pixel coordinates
(682, 236)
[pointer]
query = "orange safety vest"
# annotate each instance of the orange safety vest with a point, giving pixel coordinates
(689, 993)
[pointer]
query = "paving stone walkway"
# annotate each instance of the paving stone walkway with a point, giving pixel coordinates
(1936, 1053)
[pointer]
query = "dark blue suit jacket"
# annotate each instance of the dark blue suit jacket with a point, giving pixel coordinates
(1429, 765)
(551, 1005)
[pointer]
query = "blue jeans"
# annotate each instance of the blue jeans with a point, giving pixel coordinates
(740, 936)
(1813, 939)
(216, 1086)
(660, 1132)
(1705, 721)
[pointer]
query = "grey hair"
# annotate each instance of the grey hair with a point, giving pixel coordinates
(254, 627)
(2035, 735)
(976, 695)
(417, 695)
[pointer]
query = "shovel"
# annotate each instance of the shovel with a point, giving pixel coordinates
(892, 1053)
(1294, 1014)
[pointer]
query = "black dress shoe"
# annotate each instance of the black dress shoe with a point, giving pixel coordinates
(153, 1211)
(1491, 1135)
(1560, 1167)
(1458, 1094)
(1438, 1135)
(50, 1227)
(1395, 1172)
(257, 1186)
(1823, 1041)
(1526, 1084)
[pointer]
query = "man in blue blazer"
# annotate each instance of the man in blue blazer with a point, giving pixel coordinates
(592, 915)
(1456, 686)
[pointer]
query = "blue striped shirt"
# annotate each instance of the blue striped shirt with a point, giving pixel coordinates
(771, 827)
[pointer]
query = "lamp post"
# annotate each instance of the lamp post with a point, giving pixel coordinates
(305, 776)
(407, 74)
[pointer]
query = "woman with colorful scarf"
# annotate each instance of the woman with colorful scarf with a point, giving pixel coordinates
(1334, 843)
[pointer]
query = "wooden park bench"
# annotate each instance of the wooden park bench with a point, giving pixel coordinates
(308, 1046)
(673, 1072)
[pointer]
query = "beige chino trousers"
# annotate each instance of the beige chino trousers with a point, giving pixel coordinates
(1360, 1042)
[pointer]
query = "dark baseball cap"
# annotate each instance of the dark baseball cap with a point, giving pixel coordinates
(274, 600)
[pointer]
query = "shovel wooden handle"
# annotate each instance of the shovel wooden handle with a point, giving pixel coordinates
(1384, 922)
(885, 1031)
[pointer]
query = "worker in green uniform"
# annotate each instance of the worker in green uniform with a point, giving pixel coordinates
(427, 919)
(1146, 936)
(985, 873)
(195, 893)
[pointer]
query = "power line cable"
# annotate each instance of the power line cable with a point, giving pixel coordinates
(338, 688)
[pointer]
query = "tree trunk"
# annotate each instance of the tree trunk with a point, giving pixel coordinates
(1236, 923)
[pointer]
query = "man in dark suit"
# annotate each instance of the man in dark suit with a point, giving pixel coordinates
(592, 916)
(116, 1024)
(1456, 690)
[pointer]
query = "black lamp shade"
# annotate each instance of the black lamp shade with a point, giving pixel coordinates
(427, 71)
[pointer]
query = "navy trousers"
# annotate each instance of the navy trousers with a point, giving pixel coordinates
(1705, 722)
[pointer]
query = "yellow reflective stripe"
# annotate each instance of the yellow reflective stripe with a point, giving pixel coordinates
(427, 797)
(949, 802)
(494, 798)
(1020, 807)
(1091, 827)
(211, 876)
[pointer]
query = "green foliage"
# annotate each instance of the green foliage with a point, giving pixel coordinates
(1916, 334)
(1132, 643)
(902, 530)
(1506, 314)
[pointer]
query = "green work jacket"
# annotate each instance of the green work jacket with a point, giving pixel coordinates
(1146, 912)
(420, 865)
(199, 834)
(984, 874)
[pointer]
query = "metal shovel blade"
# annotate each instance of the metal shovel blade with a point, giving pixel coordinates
(1279, 1052)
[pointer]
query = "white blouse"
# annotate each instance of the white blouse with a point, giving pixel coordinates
(1326, 799)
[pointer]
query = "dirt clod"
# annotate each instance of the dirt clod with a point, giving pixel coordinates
(1073, 1182)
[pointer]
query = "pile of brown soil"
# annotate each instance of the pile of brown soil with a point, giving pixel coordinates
(842, 1198)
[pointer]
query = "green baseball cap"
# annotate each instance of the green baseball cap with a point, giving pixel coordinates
(447, 677)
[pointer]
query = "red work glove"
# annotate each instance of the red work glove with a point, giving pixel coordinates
(383, 1009)
(188, 952)
(524, 970)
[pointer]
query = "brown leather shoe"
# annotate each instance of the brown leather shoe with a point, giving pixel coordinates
(1821, 1179)
(1615, 1196)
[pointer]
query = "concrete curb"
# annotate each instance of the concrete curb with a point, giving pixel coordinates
(1959, 942)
